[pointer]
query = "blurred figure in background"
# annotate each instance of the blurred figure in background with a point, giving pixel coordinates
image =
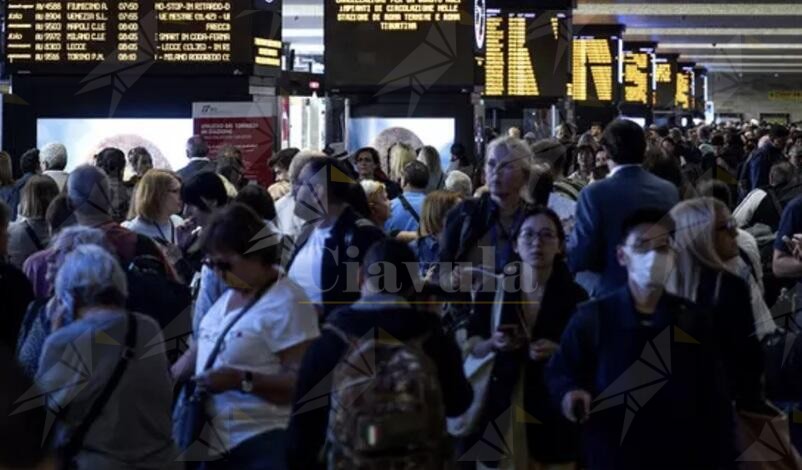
(31, 233)
(429, 156)
(378, 203)
(280, 164)
(139, 162)
(460, 183)
(112, 161)
(54, 161)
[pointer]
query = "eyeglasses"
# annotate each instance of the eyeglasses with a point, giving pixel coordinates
(544, 235)
(221, 266)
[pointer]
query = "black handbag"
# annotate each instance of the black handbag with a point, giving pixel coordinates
(190, 415)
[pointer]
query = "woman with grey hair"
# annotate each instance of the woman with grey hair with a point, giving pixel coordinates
(37, 324)
(127, 387)
(460, 183)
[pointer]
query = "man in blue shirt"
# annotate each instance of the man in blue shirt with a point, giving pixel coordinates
(405, 210)
(762, 160)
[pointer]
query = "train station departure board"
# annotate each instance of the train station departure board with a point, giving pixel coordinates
(665, 70)
(685, 87)
(526, 54)
(638, 74)
(373, 44)
(595, 66)
(71, 36)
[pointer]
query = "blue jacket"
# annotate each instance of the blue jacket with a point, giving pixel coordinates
(760, 165)
(603, 207)
(660, 400)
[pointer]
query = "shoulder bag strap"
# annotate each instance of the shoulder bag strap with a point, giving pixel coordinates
(409, 208)
(219, 343)
(77, 437)
(34, 238)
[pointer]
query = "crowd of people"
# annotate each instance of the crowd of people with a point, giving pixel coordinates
(618, 299)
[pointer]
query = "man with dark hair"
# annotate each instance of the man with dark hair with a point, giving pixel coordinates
(609, 344)
(762, 159)
(112, 161)
(604, 205)
(333, 242)
(29, 165)
(280, 164)
(765, 205)
(405, 210)
(387, 281)
(198, 155)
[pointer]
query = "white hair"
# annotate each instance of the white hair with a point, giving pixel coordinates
(54, 156)
(518, 150)
(460, 183)
(90, 276)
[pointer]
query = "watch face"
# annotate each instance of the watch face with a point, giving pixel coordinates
(479, 23)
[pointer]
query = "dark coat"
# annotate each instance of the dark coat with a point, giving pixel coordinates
(659, 393)
(465, 225)
(602, 209)
(553, 440)
(308, 424)
(195, 167)
(339, 267)
(760, 165)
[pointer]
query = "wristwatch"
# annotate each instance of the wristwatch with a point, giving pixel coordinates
(247, 382)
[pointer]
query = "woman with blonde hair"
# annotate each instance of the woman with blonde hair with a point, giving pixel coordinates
(401, 155)
(155, 205)
(432, 219)
(705, 240)
(31, 233)
(378, 202)
(430, 157)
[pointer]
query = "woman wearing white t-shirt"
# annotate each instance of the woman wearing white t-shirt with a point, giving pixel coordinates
(252, 378)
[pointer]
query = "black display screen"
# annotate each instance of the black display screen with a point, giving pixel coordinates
(75, 36)
(393, 44)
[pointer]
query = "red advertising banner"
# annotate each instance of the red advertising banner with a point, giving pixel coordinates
(248, 126)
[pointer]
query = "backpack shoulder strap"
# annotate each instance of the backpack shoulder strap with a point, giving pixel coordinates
(75, 441)
(408, 207)
(34, 238)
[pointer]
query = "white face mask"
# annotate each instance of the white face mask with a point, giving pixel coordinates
(650, 269)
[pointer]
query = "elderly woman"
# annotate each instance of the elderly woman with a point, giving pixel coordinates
(378, 203)
(37, 323)
(128, 386)
(30, 233)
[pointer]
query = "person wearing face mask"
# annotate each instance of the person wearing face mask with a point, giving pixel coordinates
(250, 343)
(540, 296)
(639, 368)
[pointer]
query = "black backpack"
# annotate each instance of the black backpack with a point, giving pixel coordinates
(152, 292)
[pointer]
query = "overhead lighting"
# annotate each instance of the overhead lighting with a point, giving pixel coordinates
(752, 65)
(714, 31)
(739, 57)
(726, 45)
(593, 7)
(302, 33)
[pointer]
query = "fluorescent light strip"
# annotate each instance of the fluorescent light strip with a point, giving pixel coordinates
(302, 10)
(695, 57)
(726, 45)
(302, 33)
(592, 7)
(753, 65)
(701, 31)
